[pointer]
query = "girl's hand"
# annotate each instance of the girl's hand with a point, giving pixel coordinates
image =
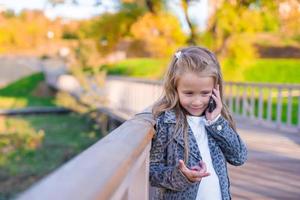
(196, 173)
(216, 96)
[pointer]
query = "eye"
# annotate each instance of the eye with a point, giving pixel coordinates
(205, 94)
(188, 93)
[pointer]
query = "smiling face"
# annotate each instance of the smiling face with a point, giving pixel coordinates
(194, 91)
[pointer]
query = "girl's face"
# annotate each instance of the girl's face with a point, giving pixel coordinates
(194, 92)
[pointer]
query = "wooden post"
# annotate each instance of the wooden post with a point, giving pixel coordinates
(252, 111)
(289, 107)
(260, 105)
(269, 108)
(245, 102)
(237, 100)
(279, 107)
(299, 112)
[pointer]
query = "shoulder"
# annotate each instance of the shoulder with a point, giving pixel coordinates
(166, 117)
(161, 131)
(164, 122)
(159, 120)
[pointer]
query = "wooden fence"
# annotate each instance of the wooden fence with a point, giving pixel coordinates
(273, 105)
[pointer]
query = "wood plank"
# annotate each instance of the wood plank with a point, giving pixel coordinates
(272, 170)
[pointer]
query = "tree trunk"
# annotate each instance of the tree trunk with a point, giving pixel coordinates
(150, 6)
(193, 33)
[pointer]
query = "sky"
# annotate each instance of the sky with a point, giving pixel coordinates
(86, 8)
(198, 12)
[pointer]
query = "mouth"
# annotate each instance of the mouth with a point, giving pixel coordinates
(196, 108)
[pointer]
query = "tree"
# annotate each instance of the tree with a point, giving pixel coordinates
(110, 28)
(160, 33)
(156, 6)
(153, 6)
(232, 31)
(193, 33)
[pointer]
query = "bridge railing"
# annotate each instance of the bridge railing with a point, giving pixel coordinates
(116, 167)
(130, 95)
(273, 105)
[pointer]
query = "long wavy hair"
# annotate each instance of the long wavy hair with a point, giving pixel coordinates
(193, 59)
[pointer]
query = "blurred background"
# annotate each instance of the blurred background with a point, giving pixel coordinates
(255, 41)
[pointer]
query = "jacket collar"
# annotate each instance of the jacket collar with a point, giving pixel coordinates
(170, 116)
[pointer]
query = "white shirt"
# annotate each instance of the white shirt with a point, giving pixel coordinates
(209, 188)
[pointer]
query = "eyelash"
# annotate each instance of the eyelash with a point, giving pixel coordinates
(190, 93)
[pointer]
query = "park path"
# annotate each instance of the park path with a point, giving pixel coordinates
(272, 170)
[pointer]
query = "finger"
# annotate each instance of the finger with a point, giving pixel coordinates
(200, 178)
(217, 100)
(217, 90)
(194, 174)
(196, 168)
(204, 174)
(182, 166)
(203, 166)
(216, 97)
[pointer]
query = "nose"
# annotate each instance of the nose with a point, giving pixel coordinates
(197, 102)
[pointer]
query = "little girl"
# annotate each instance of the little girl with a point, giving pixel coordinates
(193, 143)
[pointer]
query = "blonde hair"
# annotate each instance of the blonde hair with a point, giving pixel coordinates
(194, 59)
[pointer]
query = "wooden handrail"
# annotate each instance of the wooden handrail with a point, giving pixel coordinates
(116, 167)
(250, 101)
(246, 100)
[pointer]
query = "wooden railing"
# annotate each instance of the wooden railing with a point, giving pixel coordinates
(116, 167)
(129, 95)
(273, 105)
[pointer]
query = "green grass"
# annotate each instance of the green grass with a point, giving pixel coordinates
(21, 93)
(64, 137)
(274, 71)
(294, 105)
(33, 146)
(261, 70)
(23, 86)
(139, 67)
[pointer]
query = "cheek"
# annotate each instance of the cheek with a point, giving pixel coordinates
(205, 99)
(183, 99)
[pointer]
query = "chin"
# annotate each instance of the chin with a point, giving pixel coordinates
(197, 113)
